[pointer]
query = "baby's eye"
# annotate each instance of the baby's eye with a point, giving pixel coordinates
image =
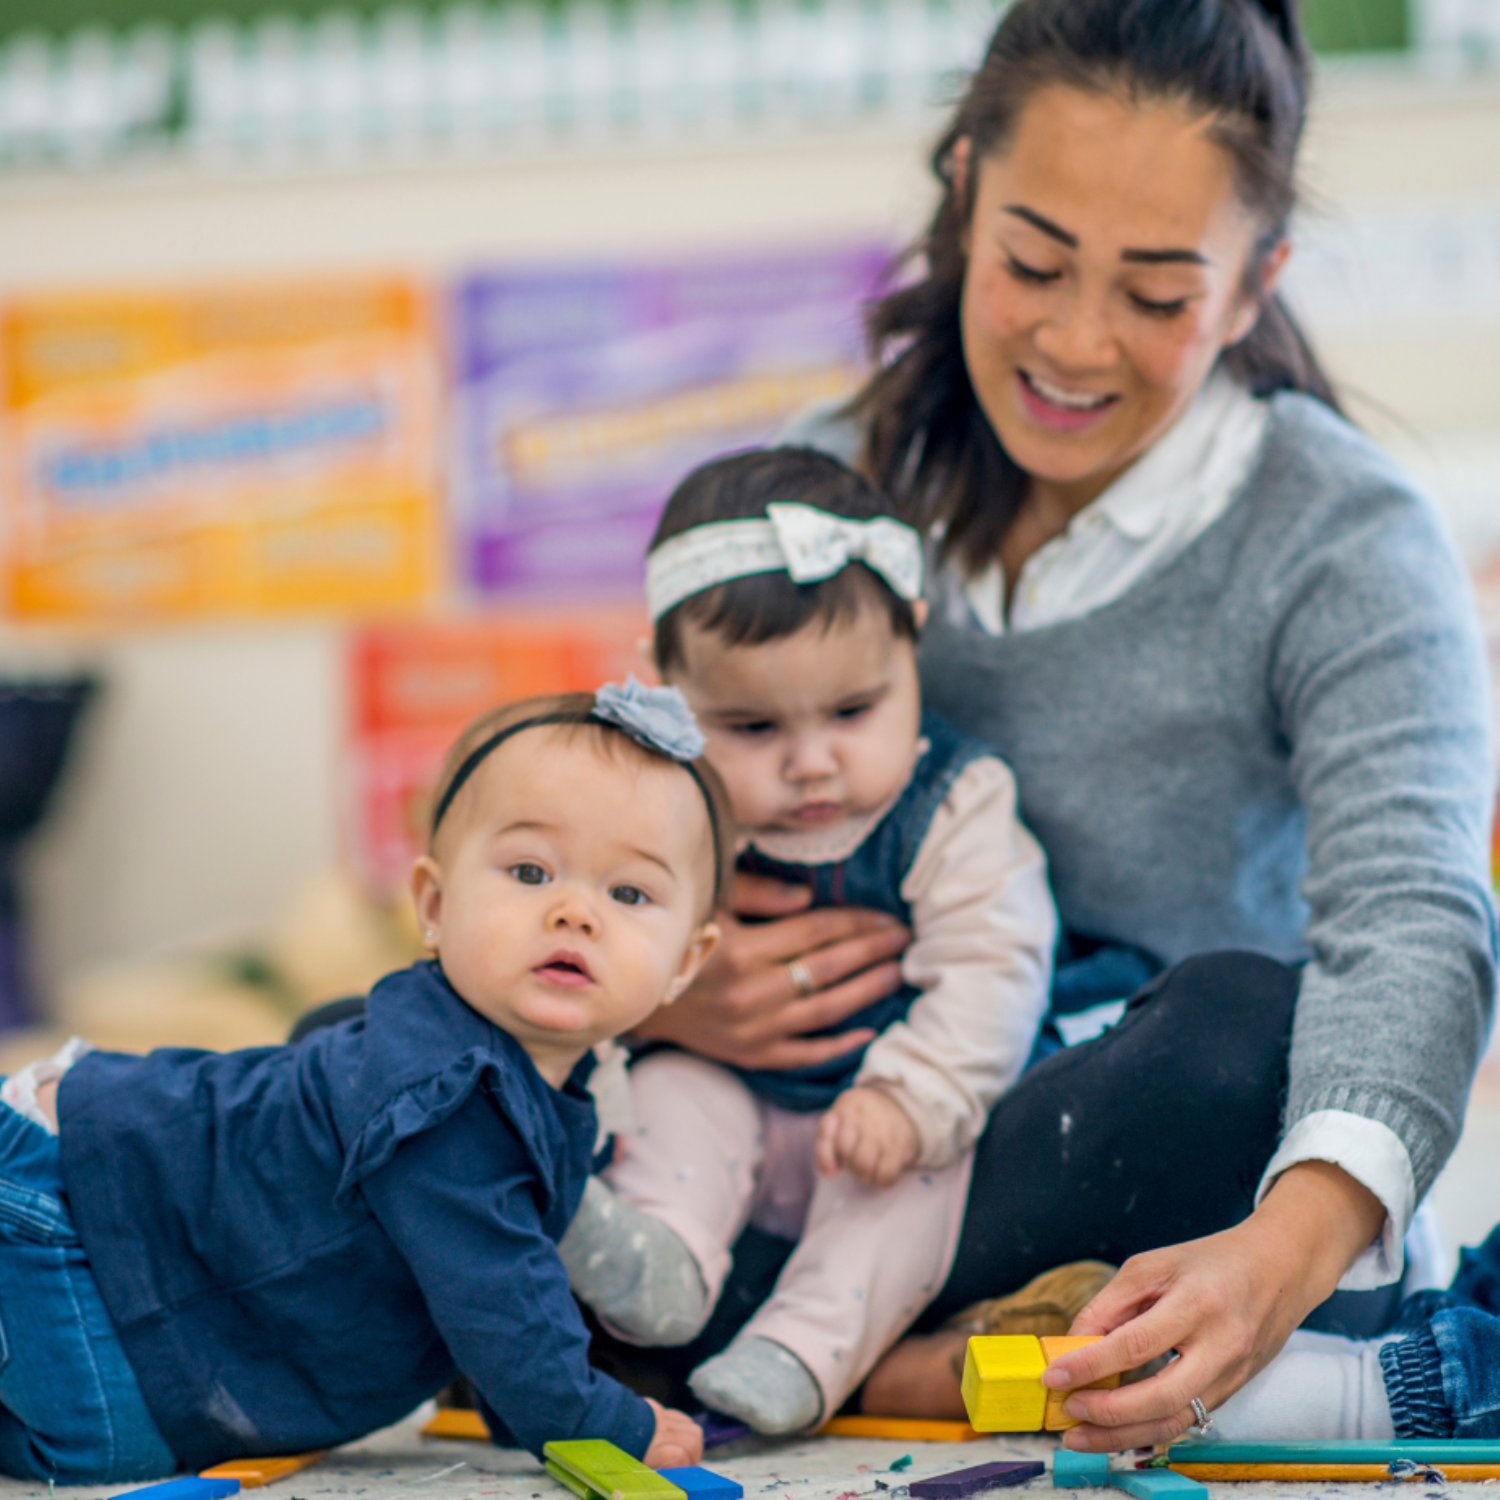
(629, 895)
(529, 874)
(852, 711)
(754, 728)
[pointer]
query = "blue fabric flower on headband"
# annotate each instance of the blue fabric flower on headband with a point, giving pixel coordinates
(658, 717)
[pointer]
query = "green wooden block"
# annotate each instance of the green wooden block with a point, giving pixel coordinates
(565, 1479)
(1343, 1451)
(610, 1472)
(1154, 1484)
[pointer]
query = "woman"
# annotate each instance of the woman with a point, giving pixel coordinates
(1230, 657)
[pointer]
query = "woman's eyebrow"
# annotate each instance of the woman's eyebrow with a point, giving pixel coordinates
(1136, 257)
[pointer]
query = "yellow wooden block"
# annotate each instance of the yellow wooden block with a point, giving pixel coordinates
(457, 1422)
(900, 1429)
(254, 1472)
(1055, 1419)
(1002, 1384)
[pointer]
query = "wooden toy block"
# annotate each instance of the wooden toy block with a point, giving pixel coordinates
(1438, 1451)
(1054, 1418)
(1156, 1484)
(1076, 1471)
(567, 1481)
(1332, 1473)
(1002, 1383)
(252, 1473)
(610, 1472)
(190, 1488)
(702, 1484)
(719, 1430)
(900, 1429)
(975, 1481)
(456, 1422)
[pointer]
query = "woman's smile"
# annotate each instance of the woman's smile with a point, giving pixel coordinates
(1059, 407)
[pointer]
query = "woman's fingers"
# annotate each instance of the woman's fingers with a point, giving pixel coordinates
(832, 942)
(760, 896)
(794, 1052)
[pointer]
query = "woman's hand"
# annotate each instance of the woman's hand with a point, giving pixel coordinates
(867, 1134)
(746, 1008)
(1227, 1303)
(678, 1443)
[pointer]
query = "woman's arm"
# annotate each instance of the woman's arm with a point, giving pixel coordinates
(745, 1008)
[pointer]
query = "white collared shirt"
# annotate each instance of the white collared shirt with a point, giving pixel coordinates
(1144, 520)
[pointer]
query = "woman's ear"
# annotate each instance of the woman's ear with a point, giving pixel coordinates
(699, 949)
(427, 897)
(1268, 273)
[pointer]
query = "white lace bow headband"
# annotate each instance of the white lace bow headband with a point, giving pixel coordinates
(807, 543)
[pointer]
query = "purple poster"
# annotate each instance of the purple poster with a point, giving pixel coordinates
(585, 395)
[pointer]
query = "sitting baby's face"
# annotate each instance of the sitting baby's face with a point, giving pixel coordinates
(811, 728)
(568, 890)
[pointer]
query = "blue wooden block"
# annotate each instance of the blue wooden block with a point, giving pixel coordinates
(702, 1484)
(191, 1488)
(1073, 1471)
(1157, 1484)
(975, 1481)
(1341, 1451)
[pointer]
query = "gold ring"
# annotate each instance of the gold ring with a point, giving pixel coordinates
(802, 981)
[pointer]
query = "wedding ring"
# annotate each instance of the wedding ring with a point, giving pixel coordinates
(802, 981)
(1201, 1419)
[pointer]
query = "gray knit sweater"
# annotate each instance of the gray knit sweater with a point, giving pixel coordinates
(1278, 741)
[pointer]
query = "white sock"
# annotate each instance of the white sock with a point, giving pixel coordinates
(637, 1274)
(1319, 1387)
(761, 1383)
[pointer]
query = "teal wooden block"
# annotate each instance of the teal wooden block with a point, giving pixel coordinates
(1156, 1484)
(1344, 1451)
(1073, 1471)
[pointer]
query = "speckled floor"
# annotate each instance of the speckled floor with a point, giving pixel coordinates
(398, 1464)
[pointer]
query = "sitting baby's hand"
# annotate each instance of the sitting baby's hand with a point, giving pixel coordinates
(869, 1135)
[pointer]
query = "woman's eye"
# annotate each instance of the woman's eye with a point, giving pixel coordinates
(529, 874)
(1160, 309)
(629, 895)
(1022, 272)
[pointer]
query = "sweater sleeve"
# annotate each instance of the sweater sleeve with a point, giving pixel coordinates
(984, 929)
(1377, 679)
(459, 1203)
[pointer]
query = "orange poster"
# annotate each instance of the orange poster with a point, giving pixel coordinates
(240, 450)
(412, 687)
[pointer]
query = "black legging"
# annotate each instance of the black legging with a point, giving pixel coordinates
(1154, 1133)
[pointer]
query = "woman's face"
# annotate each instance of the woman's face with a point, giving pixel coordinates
(1106, 256)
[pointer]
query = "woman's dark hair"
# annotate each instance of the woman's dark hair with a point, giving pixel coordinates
(1243, 62)
(768, 606)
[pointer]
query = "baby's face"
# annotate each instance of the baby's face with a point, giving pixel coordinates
(567, 897)
(811, 728)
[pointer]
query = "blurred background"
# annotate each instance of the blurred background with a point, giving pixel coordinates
(349, 350)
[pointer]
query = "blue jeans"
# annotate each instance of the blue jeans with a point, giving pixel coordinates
(1443, 1380)
(71, 1409)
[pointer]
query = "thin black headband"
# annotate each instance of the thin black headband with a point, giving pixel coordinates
(477, 756)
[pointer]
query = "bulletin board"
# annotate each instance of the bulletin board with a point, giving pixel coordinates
(231, 450)
(582, 397)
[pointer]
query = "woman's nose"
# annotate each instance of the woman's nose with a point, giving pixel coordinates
(1076, 334)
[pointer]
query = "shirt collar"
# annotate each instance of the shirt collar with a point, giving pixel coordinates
(1167, 479)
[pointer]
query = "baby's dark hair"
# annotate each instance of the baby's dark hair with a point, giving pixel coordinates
(768, 606)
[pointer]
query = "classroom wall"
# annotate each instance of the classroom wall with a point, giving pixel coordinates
(208, 782)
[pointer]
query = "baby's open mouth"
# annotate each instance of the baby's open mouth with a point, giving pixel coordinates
(564, 968)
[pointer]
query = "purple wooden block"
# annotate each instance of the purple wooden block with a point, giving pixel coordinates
(973, 1481)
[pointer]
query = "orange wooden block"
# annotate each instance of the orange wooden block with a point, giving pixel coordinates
(254, 1472)
(902, 1429)
(1055, 1419)
(457, 1422)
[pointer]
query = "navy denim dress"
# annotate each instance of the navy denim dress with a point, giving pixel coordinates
(300, 1244)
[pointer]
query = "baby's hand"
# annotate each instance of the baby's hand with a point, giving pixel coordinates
(678, 1443)
(867, 1133)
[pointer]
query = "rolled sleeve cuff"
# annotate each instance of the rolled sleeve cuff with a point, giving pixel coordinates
(1374, 1156)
